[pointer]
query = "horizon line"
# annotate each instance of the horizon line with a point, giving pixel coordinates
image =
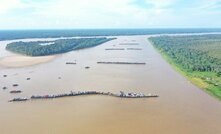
(183, 28)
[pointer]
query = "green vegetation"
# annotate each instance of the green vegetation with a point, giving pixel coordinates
(25, 34)
(42, 48)
(197, 57)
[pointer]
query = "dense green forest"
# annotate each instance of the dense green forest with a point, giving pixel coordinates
(197, 56)
(42, 48)
(24, 34)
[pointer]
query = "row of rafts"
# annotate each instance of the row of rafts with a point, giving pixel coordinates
(110, 62)
(79, 93)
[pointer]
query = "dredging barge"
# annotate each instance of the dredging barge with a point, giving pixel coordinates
(120, 95)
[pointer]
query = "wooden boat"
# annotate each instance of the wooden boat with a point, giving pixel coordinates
(18, 99)
(15, 91)
(15, 85)
(87, 67)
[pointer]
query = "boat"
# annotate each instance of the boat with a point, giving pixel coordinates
(87, 67)
(71, 63)
(15, 91)
(18, 99)
(15, 85)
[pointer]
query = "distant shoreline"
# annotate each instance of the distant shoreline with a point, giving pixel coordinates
(66, 33)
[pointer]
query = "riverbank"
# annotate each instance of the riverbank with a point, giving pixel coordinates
(197, 78)
(23, 61)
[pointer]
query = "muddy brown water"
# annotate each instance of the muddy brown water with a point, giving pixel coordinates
(182, 108)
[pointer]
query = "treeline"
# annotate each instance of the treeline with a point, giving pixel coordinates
(40, 48)
(193, 53)
(24, 34)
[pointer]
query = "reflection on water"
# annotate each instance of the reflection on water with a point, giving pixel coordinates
(180, 109)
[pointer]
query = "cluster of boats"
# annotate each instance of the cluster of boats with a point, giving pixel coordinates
(121, 95)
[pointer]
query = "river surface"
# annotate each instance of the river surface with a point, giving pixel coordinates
(182, 108)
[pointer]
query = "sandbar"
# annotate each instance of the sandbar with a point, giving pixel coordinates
(23, 61)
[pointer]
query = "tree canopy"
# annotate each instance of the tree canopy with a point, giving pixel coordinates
(42, 48)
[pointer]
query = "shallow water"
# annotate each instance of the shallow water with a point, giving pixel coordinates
(181, 108)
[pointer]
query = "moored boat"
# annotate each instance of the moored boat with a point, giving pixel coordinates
(18, 99)
(15, 91)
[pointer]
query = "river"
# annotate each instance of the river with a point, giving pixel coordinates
(181, 107)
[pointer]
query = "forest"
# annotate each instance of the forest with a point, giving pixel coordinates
(25, 34)
(43, 48)
(198, 56)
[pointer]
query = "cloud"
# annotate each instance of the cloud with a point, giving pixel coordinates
(161, 3)
(8, 5)
(209, 4)
(107, 13)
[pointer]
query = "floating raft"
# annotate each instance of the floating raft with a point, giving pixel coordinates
(114, 49)
(73, 63)
(128, 44)
(134, 49)
(15, 91)
(120, 95)
(137, 63)
(18, 99)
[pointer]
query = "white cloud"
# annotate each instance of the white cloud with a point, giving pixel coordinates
(209, 4)
(8, 5)
(103, 13)
(161, 3)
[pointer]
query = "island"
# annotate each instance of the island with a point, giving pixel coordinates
(43, 48)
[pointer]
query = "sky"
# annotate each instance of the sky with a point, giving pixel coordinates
(93, 14)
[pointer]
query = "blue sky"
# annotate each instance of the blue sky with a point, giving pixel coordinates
(69, 14)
